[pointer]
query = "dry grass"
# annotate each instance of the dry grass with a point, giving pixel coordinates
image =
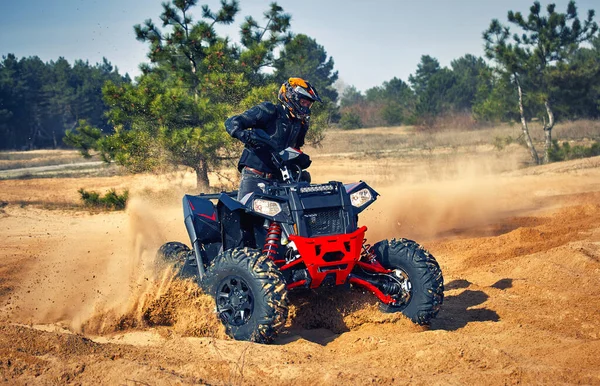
(34, 158)
(575, 130)
(406, 138)
(384, 153)
(399, 140)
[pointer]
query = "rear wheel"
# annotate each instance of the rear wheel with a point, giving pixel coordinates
(418, 289)
(179, 255)
(250, 294)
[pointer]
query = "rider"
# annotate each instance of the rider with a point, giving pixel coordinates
(268, 127)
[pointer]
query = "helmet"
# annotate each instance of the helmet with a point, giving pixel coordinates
(293, 92)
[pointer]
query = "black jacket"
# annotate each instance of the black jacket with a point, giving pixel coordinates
(273, 119)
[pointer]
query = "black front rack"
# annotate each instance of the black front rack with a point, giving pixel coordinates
(215, 196)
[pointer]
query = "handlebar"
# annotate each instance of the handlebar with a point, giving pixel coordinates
(288, 158)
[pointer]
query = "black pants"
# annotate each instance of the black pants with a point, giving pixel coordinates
(250, 183)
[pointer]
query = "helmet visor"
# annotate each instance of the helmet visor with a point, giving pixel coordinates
(303, 93)
(307, 103)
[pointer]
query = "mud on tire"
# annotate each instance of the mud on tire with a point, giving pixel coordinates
(179, 255)
(250, 294)
(424, 273)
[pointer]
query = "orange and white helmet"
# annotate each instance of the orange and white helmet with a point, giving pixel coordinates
(297, 96)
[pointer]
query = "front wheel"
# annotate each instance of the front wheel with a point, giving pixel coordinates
(420, 290)
(250, 294)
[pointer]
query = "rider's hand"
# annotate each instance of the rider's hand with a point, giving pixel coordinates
(303, 161)
(242, 135)
(258, 139)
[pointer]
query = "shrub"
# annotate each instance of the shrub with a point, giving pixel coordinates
(566, 152)
(350, 120)
(392, 115)
(110, 201)
(501, 142)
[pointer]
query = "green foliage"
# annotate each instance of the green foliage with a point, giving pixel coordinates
(350, 120)
(351, 96)
(426, 69)
(111, 200)
(432, 100)
(392, 114)
(260, 48)
(395, 101)
(174, 114)
(258, 95)
(40, 101)
(303, 57)
(496, 99)
(547, 43)
(469, 82)
(501, 142)
(436, 92)
(84, 137)
(576, 83)
(443, 91)
(529, 60)
(566, 152)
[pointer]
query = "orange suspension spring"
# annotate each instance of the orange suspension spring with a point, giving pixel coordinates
(272, 241)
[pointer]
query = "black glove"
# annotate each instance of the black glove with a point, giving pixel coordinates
(242, 135)
(303, 161)
(257, 139)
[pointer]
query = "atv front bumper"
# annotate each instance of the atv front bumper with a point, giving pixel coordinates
(327, 258)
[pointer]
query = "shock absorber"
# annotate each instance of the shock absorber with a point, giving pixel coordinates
(367, 252)
(272, 241)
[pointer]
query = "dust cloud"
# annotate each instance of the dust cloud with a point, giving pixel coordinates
(444, 200)
(103, 276)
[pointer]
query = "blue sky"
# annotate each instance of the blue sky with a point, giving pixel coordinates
(370, 41)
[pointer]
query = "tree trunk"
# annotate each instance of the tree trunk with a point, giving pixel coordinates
(35, 128)
(202, 183)
(548, 132)
(33, 134)
(525, 129)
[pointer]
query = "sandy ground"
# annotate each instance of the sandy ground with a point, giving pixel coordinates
(82, 300)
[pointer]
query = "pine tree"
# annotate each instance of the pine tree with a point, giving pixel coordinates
(529, 58)
(174, 114)
(469, 72)
(40, 101)
(426, 69)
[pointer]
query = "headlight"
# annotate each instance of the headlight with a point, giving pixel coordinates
(361, 197)
(316, 188)
(266, 207)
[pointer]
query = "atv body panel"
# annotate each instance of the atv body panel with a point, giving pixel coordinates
(310, 235)
(201, 219)
(319, 219)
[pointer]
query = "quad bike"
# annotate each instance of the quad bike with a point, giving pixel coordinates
(248, 254)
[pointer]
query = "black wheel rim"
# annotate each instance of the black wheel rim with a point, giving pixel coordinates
(235, 301)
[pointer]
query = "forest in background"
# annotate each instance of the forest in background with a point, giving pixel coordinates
(471, 92)
(40, 101)
(543, 66)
